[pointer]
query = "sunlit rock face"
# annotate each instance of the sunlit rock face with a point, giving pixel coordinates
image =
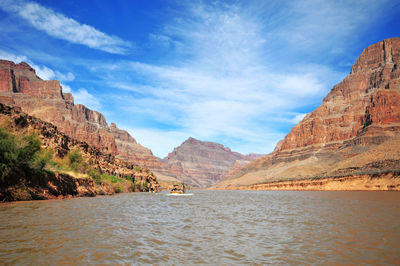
(201, 163)
(367, 97)
(20, 86)
(49, 185)
(348, 132)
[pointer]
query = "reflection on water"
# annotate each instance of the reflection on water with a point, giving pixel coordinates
(209, 227)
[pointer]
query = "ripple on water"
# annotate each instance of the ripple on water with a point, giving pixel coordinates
(209, 227)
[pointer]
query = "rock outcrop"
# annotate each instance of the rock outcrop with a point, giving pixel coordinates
(20, 86)
(356, 127)
(386, 181)
(201, 163)
(55, 185)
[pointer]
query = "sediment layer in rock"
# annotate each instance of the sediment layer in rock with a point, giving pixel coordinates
(63, 185)
(356, 128)
(201, 163)
(20, 86)
(389, 181)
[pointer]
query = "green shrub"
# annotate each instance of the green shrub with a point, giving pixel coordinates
(95, 175)
(140, 186)
(145, 186)
(8, 153)
(117, 188)
(42, 158)
(28, 146)
(113, 179)
(17, 153)
(75, 159)
(76, 162)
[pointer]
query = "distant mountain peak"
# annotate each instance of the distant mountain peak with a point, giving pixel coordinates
(202, 163)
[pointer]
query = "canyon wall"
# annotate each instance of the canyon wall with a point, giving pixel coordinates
(20, 86)
(49, 185)
(197, 163)
(356, 128)
(201, 163)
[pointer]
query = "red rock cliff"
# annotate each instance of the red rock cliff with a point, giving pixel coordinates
(368, 97)
(20, 86)
(356, 129)
(201, 163)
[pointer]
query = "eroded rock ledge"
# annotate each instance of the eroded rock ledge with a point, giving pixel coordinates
(48, 185)
(376, 182)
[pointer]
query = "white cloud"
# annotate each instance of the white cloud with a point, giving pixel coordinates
(229, 88)
(59, 26)
(82, 96)
(64, 77)
(298, 118)
(43, 72)
(66, 88)
(12, 57)
(328, 23)
(246, 72)
(164, 41)
(165, 140)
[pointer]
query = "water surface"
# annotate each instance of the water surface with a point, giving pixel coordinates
(209, 227)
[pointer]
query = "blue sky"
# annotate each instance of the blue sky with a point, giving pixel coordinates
(240, 73)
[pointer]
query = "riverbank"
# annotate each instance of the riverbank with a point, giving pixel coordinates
(48, 185)
(388, 181)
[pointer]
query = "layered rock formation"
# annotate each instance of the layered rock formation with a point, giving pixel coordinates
(20, 86)
(356, 129)
(201, 163)
(387, 181)
(51, 185)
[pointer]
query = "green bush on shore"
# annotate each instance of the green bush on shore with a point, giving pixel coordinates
(140, 186)
(42, 158)
(19, 154)
(22, 155)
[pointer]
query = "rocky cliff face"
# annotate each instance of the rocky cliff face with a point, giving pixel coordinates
(355, 127)
(367, 97)
(20, 86)
(53, 185)
(200, 163)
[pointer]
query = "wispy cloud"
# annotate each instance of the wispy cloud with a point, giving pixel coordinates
(148, 137)
(66, 88)
(226, 88)
(239, 73)
(12, 57)
(42, 71)
(59, 26)
(82, 96)
(324, 22)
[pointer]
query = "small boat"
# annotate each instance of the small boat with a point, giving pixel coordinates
(178, 189)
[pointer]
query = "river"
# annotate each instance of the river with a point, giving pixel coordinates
(208, 227)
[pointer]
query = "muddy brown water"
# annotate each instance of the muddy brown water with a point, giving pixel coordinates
(209, 227)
